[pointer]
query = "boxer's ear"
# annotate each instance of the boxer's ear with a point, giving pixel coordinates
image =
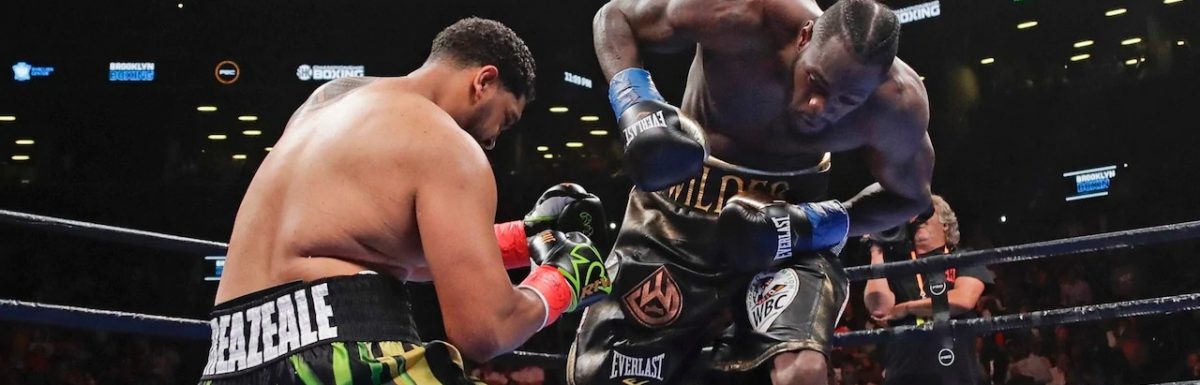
(806, 33)
(485, 83)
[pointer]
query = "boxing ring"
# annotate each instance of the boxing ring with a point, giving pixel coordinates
(197, 329)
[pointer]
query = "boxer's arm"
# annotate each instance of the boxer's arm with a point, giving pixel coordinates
(900, 157)
(455, 201)
(878, 296)
(962, 299)
(621, 26)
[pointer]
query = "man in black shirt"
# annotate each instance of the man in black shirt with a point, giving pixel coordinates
(908, 300)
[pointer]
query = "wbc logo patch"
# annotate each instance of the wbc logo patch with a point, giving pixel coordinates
(769, 294)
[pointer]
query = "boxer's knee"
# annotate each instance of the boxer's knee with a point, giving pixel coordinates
(805, 367)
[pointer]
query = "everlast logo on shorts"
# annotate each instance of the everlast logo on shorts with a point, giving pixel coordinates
(259, 334)
(656, 302)
(626, 366)
(783, 228)
(709, 191)
(654, 119)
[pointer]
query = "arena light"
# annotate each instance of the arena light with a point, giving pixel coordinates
(1027, 24)
(1131, 41)
(180, 5)
(8, 118)
(574, 144)
(239, 156)
(24, 142)
(1083, 43)
(217, 137)
(548, 156)
(589, 118)
(206, 108)
(20, 157)
(1003, 219)
(1115, 12)
(251, 132)
(248, 118)
(598, 132)
(1131, 62)
(612, 225)
(543, 148)
(987, 60)
(1080, 57)
(1171, 1)
(559, 109)
(268, 149)
(1181, 42)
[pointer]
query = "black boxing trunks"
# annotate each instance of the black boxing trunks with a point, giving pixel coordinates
(674, 293)
(340, 330)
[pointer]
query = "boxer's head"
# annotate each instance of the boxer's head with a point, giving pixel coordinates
(496, 71)
(840, 60)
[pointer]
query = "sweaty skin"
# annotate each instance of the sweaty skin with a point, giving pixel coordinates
(758, 112)
(377, 174)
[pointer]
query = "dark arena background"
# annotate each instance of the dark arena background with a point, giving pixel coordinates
(1050, 119)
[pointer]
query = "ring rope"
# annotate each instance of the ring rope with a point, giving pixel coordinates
(999, 255)
(114, 234)
(107, 320)
(1030, 251)
(79, 317)
(1160, 305)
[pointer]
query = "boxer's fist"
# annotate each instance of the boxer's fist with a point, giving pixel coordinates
(757, 232)
(571, 274)
(662, 147)
(567, 207)
(898, 241)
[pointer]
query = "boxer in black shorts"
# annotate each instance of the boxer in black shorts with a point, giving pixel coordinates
(740, 253)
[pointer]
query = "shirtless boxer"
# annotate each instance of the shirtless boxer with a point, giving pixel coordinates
(731, 184)
(388, 175)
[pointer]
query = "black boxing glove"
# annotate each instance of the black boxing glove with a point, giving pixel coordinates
(756, 232)
(898, 240)
(662, 147)
(571, 273)
(567, 207)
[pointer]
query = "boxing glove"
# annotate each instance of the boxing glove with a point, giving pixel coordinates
(571, 273)
(662, 147)
(756, 232)
(565, 207)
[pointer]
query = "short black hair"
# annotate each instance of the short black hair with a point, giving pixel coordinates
(871, 30)
(476, 41)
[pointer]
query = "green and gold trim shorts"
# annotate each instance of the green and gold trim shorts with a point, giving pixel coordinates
(334, 331)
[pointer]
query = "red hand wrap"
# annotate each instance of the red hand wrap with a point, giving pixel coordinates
(514, 250)
(553, 287)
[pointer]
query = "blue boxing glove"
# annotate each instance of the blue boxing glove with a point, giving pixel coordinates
(756, 233)
(662, 147)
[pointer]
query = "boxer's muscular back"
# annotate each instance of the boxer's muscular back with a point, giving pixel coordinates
(330, 199)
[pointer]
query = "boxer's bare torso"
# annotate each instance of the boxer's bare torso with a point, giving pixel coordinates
(758, 111)
(333, 197)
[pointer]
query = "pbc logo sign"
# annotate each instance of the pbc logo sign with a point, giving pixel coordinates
(768, 296)
(656, 301)
(227, 72)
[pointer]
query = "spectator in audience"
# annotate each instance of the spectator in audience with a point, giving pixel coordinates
(1027, 368)
(1073, 290)
(1191, 367)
